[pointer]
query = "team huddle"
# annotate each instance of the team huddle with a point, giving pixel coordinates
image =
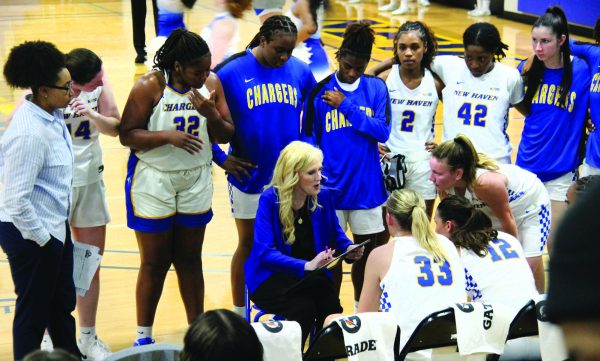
(304, 164)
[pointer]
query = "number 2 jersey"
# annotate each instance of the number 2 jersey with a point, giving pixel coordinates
(416, 286)
(501, 276)
(175, 111)
(478, 106)
(87, 153)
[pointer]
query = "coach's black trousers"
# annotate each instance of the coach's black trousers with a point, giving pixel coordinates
(43, 278)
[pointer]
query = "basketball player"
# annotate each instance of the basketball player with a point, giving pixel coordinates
(171, 116)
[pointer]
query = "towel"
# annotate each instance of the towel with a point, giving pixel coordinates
(481, 327)
(552, 343)
(369, 336)
(281, 340)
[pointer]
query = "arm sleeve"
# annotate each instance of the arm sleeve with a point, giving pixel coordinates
(219, 156)
(265, 240)
(376, 126)
(23, 161)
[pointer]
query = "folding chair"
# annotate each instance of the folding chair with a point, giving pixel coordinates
(154, 352)
(434, 331)
(259, 311)
(328, 344)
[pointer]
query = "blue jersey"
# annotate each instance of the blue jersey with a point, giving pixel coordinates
(552, 133)
(265, 105)
(348, 137)
(591, 54)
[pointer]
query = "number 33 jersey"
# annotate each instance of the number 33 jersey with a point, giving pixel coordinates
(416, 285)
(175, 111)
(87, 152)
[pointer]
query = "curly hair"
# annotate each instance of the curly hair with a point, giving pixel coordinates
(33, 64)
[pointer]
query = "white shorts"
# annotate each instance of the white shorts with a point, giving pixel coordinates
(156, 199)
(534, 229)
(361, 221)
(88, 206)
(243, 205)
(557, 188)
(504, 160)
(417, 179)
(587, 170)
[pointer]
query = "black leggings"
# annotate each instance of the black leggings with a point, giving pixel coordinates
(308, 304)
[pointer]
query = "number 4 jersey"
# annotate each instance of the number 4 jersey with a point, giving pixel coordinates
(415, 285)
(87, 153)
(478, 106)
(175, 111)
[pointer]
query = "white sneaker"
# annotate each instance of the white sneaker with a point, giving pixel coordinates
(389, 7)
(46, 344)
(400, 11)
(470, 12)
(424, 2)
(94, 349)
(354, 1)
(481, 12)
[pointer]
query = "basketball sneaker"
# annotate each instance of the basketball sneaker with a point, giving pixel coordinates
(143, 341)
(93, 349)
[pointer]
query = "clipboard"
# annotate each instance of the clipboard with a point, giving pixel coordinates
(326, 266)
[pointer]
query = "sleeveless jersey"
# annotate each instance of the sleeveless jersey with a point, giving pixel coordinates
(87, 153)
(501, 276)
(526, 193)
(175, 111)
(552, 133)
(265, 105)
(206, 33)
(591, 54)
(416, 286)
(413, 112)
(348, 137)
(478, 106)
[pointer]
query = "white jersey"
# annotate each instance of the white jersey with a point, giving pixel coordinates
(478, 106)
(502, 276)
(413, 112)
(416, 286)
(526, 193)
(207, 34)
(175, 111)
(87, 153)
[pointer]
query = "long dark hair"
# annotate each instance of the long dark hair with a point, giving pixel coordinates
(554, 18)
(273, 26)
(473, 228)
(426, 36)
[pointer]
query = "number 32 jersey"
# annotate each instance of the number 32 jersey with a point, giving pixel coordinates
(478, 106)
(175, 111)
(416, 286)
(87, 153)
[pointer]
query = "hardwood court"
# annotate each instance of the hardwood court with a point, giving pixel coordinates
(105, 27)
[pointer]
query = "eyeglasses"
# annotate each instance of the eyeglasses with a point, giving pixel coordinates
(68, 88)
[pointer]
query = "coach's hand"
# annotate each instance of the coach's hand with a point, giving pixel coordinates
(189, 143)
(237, 167)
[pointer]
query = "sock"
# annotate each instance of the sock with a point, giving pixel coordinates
(87, 333)
(479, 5)
(240, 310)
(355, 306)
(403, 5)
(485, 5)
(143, 332)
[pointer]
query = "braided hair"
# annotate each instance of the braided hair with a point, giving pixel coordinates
(487, 36)
(183, 46)
(426, 36)
(358, 41)
(272, 27)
